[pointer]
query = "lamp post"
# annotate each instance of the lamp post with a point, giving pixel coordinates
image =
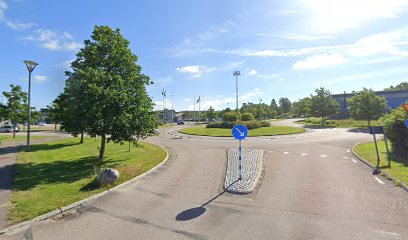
(30, 67)
(236, 74)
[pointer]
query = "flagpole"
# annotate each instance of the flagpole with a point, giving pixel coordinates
(199, 111)
(194, 111)
(172, 108)
(163, 106)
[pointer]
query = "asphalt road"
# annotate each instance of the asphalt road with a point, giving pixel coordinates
(311, 188)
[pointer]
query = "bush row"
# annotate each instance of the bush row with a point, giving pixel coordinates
(253, 124)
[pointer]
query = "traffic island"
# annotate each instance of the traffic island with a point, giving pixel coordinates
(251, 170)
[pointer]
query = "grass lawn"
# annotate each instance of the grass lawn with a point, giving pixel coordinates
(345, 123)
(398, 169)
(223, 132)
(9, 137)
(61, 172)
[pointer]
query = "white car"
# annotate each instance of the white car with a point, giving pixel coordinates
(8, 129)
(41, 124)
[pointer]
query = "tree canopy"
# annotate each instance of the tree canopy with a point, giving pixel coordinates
(106, 91)
(16, 107)
(401, 86)
(322, 104)
(366, 105)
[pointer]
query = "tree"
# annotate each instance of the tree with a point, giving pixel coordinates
(396, 132)
(366, 105)
(302, 107)
(322, 104)
(232, 116)
(285, 106)
(113, 90)
(211, 113)
(247, 117)
(274, 107)
(401, 86)
(54, 113)
(16, 108)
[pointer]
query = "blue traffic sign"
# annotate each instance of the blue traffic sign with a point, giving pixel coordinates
(406, 123)
(240, 132)
(376, 130)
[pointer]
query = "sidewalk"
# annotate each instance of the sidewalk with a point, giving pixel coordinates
(8, 157)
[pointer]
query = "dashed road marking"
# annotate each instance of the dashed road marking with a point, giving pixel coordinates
(354, 160)
(285, 152)
(323, 156)
(345, 157)
(348, 150)
(379, 180)
(270, 151)
(304, 154)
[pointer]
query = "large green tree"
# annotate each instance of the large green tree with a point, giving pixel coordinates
(285, 106)
(366, 105)
(16, 108)
(302, 107)
(116, 104)
(322, 104)
(211, 113)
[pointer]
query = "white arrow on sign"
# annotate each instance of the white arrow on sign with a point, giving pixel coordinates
(240, 133)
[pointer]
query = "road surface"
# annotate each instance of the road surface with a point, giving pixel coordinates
(311, 188)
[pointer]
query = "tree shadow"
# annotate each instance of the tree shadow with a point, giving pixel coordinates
(35, 147)
(358, 130)
(198, 211)
(318, 127)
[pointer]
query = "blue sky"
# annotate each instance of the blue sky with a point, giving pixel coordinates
(191, 48)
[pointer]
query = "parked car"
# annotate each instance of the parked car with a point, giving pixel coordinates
(180, 122)
(8, 129)
(41, 124)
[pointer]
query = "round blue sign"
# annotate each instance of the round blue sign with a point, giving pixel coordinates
(240, 132)
(406, 123)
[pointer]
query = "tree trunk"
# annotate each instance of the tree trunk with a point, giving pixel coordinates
(55, 126)
(369, 122)
(129, 146)
(14, 130)
(102, 149)
(322, 121)
(82, 137)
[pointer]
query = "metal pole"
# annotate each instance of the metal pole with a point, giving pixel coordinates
(236, 90)
(172, 108)
(388, 151)
(199, 111)
(376, 149)
(164, 121)
(240, 160)
(29, 111)
(194, 111)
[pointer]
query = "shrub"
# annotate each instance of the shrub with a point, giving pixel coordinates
(221, 124)
(251, 124)
(395, 130)
(265, 123)
(231, 116)
(329, 122)
(247, 117)
(314, 120)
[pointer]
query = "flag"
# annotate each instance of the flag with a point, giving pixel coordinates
(164, 92)
(198, 100)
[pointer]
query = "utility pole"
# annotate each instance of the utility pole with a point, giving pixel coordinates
(30, 67)
(194, 110)
(236, 74)
(172, 108)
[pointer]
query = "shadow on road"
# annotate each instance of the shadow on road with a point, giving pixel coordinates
(198, 211)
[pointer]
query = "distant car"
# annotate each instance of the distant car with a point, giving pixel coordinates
(180, 123)
(8, 129)
(41, 124)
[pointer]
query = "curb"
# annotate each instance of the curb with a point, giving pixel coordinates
(388, 176)
(61, 210)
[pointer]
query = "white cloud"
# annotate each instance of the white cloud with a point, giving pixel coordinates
(164, 81)
(40, 78)
(53, 41)
(252, 72)
(217, 103)
(216, 30)
(334, 16)
(187, 100)
(297, 37)
(320, 61)
(18, 25)
(158, 105)
(195, 70)
(251, 94)
(271, 77)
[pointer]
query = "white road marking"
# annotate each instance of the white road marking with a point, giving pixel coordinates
(270, 151)
(304, 154)
(354, 160)
(323, 156)
(348, 150)
(345, 157)
(379, 180)
(285, 152)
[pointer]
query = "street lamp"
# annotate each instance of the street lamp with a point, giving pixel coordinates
(30, 67)
(236, 74)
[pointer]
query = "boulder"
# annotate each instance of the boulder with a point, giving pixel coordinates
(108, 176)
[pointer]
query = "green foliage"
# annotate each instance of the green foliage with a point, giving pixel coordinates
(322, 104)
(302, 107)
(221, 124)
(265, 123)
(211, 113)
(395, 130)
(108, 88)
(16, 108)
(285, 106)
(260, 111)
(231, 116)
(401, 86)
(247, 117)
(366, 105)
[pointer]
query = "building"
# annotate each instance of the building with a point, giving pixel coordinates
(394, 100)
(168, 115)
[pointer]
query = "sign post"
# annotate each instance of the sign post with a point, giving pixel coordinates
(373, 131)
(240, 132)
